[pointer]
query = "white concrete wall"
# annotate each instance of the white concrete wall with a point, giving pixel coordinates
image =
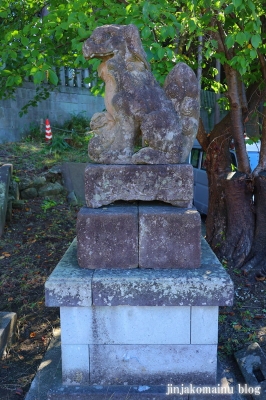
(138, 344)
(59, 107)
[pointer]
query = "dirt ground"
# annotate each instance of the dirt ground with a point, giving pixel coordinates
(32, 245)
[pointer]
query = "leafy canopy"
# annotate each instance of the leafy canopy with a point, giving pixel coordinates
(34, 42)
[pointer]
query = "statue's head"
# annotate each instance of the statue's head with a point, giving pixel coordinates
(108, 40)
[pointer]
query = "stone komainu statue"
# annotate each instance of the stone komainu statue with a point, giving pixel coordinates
(166, 118)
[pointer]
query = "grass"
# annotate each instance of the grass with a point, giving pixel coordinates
(69, 143)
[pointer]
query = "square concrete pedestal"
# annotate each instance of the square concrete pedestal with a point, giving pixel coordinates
(139, 327)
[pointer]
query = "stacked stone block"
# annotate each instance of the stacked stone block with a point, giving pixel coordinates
(160, 229)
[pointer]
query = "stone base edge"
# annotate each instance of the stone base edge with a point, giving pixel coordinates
(138, 393)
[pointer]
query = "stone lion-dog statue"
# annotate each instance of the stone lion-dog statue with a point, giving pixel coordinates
(166, 118)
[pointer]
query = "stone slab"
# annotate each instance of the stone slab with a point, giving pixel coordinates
(152, 364)
(8, 322)
(108, 237)
(171, 183)
(252, 363)
(204, 325)
(118, 392)
(5, 177)
(169, 237)
(74, 181)
(75, 364)
(47, 384)
(49, 370)
(125, 325)
(70, 285)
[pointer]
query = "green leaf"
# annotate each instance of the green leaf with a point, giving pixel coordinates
(192, 25)
(241, 38)
(256, 41)
(214, 44)
(230, 41)
(253, 54)
(82, 33)
(160, 53)
(24, 41)
(229, 9)
(237, 3)
(146, 32)
(53, 78)
(10, 81)
(251, 5)
(249, 27)
(38, 77)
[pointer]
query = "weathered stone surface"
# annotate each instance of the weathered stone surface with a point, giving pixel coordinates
(70, 285)
(127, 325)
(25, 183)
(75, 364)
(207, 285)
(29, 193)
(108, 237)
(136, 104)
(204, 325)
(72, 199)
(18, 204)
(14, 190)
(172, 184)
(8, 321)
(169, 237)
(38, 181)
(99, 392)
(252, 363)
(50, 189)
(152, 364)
(5, 176)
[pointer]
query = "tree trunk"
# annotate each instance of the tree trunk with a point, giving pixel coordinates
(230, 219)
(256, 261)
(240, 222)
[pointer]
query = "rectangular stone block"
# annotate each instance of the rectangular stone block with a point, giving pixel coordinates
(69, 285)
(171, 183)
(125, 325)
(204, 325)
(108, 237)
(152, 364)
(169, 237)
(75, 364)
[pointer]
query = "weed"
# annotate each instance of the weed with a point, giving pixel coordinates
(58, 145)
(47, 204)
(222, 318)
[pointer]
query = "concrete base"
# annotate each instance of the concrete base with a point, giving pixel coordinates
(47, 384)
(139, 326)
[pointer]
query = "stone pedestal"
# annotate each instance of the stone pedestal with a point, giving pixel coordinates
(146, 235)
(171, 183)
(138, 326)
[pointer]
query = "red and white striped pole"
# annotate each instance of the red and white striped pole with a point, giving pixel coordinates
(48, 132)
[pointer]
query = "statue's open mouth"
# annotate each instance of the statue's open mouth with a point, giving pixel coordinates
(102, 56)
